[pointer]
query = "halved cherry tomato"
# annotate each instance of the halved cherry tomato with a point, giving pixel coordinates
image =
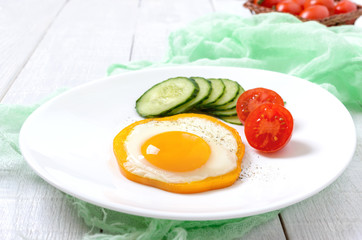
(252, 98)
(316, 12)
(266, 3)
(289, 6)
(269, 127)
(345, 6)
(327, 3)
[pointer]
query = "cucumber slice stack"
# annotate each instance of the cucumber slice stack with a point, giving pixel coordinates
(166, 96)
(213, 96)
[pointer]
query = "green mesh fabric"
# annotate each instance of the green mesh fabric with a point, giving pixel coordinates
(117, 225)
(330, 57)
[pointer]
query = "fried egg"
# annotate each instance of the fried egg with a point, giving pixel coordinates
(184, 153)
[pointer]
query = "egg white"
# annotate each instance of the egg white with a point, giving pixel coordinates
(223, 146)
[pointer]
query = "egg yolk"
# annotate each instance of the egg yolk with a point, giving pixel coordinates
(176, 151)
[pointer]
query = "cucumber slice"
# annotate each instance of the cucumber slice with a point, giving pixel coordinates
(224, 113)
(231, 104)
(204, 91)
(232, 119)
(166, 95)
(231, 91)
(218, 88)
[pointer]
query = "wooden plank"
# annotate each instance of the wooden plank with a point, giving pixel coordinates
(334, 213)
(231, 7)
(268, 231)
(156, 21)
(160, 17)
(83, 41)
(85, 38)
(22, 24)
(32, 209)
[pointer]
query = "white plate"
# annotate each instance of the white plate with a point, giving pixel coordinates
(68, 142)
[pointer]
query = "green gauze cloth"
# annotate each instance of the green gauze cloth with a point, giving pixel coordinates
(331, 57)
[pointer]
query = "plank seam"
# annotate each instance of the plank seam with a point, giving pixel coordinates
(212, 4)
(134, 34)
(17, 73)
(283, 226)
(132, 45)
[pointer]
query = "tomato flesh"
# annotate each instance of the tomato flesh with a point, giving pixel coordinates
(316, 12)
(269, 127)
(329, 4)
(253, 98)
(289, 6)
(300, 2)
(345, 6)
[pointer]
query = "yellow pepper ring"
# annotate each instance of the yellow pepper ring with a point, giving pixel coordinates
(207, 184)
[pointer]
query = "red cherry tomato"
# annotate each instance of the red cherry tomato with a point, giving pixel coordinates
(266, 3)
(289, 6)
(327, 3)
(252, 98)
(345, 6)
(300, 2)
(269, 127)
(315, 12)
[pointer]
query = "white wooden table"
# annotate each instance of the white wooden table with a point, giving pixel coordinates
(49, 44)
